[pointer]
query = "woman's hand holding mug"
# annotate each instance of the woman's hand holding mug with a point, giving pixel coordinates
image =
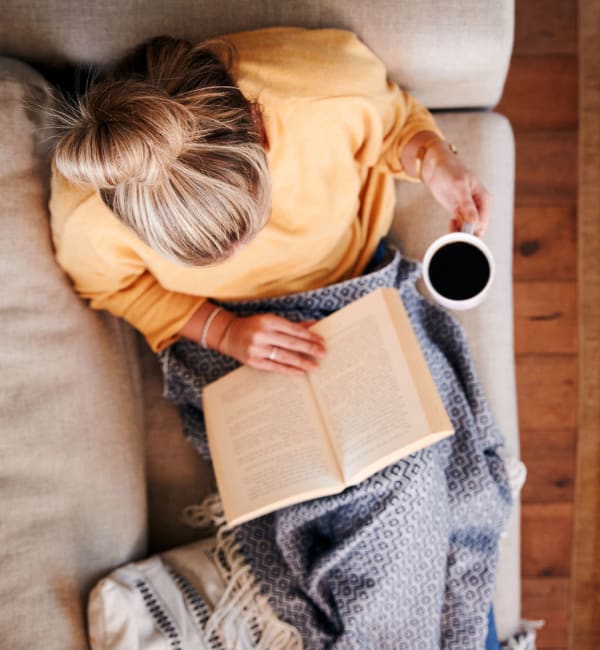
(456, 188)
(458, 268)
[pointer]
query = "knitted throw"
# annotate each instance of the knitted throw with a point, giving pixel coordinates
(407, 558)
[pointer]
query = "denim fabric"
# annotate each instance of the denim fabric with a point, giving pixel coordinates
(491, 641)
(378, 257)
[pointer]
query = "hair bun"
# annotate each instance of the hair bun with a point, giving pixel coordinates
(126, 131)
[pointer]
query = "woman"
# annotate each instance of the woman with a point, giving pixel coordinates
(186, 182)
(183, 159)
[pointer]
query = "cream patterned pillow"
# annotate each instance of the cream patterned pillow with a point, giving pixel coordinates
(188, 598)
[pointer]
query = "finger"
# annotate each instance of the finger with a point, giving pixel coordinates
(466, 212)
(272, 366)
(267, 338)
(290, 358)
(308, 323)
(285, 358)
(453, 225)
(483, 201)
(276, 323)
(289, 342)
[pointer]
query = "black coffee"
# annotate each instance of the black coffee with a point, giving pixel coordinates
(459, 271)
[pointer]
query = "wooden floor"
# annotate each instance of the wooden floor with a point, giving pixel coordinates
(540, 99)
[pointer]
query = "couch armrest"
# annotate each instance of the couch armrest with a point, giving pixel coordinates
(486, 143)
(448, 54)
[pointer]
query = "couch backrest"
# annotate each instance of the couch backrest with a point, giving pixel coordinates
(72, 475)
(448, 53)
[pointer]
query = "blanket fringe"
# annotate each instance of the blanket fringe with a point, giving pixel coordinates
(525, 637)
(206, 514)
(242, 600)
(516, 472)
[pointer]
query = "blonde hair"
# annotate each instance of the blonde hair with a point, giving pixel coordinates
(173, 147)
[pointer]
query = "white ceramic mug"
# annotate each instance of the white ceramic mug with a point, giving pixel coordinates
(466, 236)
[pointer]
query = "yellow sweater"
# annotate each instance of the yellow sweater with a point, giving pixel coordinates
(336, 128)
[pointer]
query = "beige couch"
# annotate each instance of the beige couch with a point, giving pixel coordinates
(93, 469)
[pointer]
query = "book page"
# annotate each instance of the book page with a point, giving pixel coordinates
(421, 376)
(267, 443)
(365, 390)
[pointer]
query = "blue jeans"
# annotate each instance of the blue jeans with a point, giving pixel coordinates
(491, 642)
(377, 258)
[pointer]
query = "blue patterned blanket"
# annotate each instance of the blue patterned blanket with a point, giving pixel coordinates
(407, 558)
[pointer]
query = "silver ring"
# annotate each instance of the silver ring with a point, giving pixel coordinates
(273, 354)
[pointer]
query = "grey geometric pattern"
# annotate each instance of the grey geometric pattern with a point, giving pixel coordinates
(407, 558)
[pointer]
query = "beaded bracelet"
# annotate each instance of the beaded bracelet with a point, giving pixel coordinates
(207, 324)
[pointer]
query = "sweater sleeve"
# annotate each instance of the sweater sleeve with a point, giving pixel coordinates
(157, 313)
(111, 275)
(402, 118)
(287, 63)
(392, 115)
(396, 114)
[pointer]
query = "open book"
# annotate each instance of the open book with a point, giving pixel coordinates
(277, 440)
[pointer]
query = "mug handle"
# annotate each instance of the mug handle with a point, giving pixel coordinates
(468, 228)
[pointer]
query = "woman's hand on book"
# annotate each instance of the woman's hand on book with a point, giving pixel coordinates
(269, 342)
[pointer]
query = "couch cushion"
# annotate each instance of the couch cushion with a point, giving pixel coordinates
(486, 143)
(71, 428)
(177, 475)
(449, 54)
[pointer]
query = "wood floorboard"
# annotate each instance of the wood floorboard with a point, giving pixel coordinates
(541, 93)
(541, 100)
(547, 392)
(545, 27)
(545, 243)
(546, 598)
(546, 547)
(550, 460)
(546, 168)
(584, 611)
(545, 316)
